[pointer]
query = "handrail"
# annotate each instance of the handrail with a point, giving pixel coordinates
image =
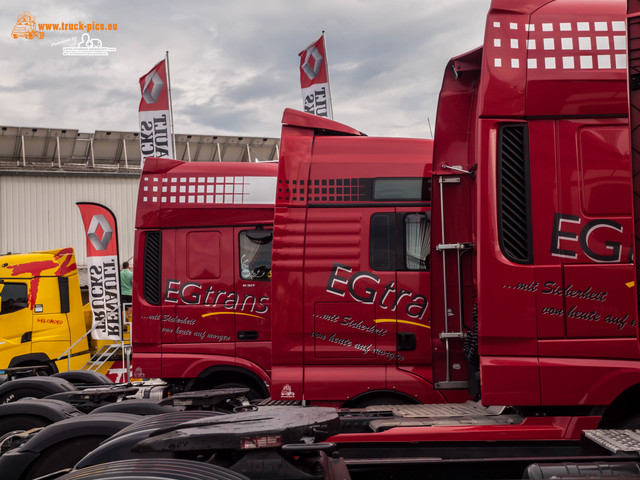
(67, 353)
(123, 345)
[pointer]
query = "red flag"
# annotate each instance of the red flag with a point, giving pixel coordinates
(104, 272)
(314, 79)
(154, 114)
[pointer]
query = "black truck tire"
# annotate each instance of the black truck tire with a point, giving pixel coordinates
(62, 445)
(19, 423)
(62, 455)
(137, 406)
(84, 378)
(28, 414)
(120, 445)
(154, 468)
(32, 387)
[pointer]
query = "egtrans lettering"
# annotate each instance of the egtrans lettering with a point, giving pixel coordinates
(193, 293)
(364, 288)
(559, 235)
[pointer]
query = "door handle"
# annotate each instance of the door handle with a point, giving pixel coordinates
(406, 341)
(248, 335)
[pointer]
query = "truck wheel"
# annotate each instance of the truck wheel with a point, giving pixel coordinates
(136, 406)
(61, 445)
(84, 378)
(11, 423)
(36, 387)
(63, 455)
(156, 468)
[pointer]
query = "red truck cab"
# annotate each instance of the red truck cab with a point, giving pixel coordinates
(351, 263)
(544, 177)
(202, 274)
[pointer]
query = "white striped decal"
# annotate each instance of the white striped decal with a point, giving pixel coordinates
(233, 190)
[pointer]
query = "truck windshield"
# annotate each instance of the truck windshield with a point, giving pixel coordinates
(13, 297)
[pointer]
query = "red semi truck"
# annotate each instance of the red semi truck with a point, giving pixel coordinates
(533, 274)
(351, 296)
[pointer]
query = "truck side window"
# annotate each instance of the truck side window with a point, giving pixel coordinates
(382, 248)
(402, 189)
(13, 298)
(255, 254)
(399, 241)
(417, 229)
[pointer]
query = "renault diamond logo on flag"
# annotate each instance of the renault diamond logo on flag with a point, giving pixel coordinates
(312, 71)
(314, 79)
(102, 269)
(154, 113)
(152, 87)
(98, 221)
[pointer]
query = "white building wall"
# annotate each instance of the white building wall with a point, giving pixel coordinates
(39, 212)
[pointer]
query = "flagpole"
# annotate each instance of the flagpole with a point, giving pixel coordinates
(173, 134)
(326, 59)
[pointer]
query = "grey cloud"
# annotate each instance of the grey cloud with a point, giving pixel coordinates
(234, 63)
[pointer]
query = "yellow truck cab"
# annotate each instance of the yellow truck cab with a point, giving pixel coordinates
(41, 311)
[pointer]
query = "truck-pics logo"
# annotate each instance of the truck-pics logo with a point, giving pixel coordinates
(26, 27)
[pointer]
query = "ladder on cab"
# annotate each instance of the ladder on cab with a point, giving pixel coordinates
(451, 308)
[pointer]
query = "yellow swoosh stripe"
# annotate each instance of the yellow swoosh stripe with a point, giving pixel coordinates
(393, 320)
(229, 313)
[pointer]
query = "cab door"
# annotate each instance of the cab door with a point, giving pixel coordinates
(51, 333)
(252, 270)
(399, 246)
(413, 312)
(203, 290)
(15, 321)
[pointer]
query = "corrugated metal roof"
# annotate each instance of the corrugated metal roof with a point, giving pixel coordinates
(66, 148)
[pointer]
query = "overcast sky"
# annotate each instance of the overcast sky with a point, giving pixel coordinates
(234, 63)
